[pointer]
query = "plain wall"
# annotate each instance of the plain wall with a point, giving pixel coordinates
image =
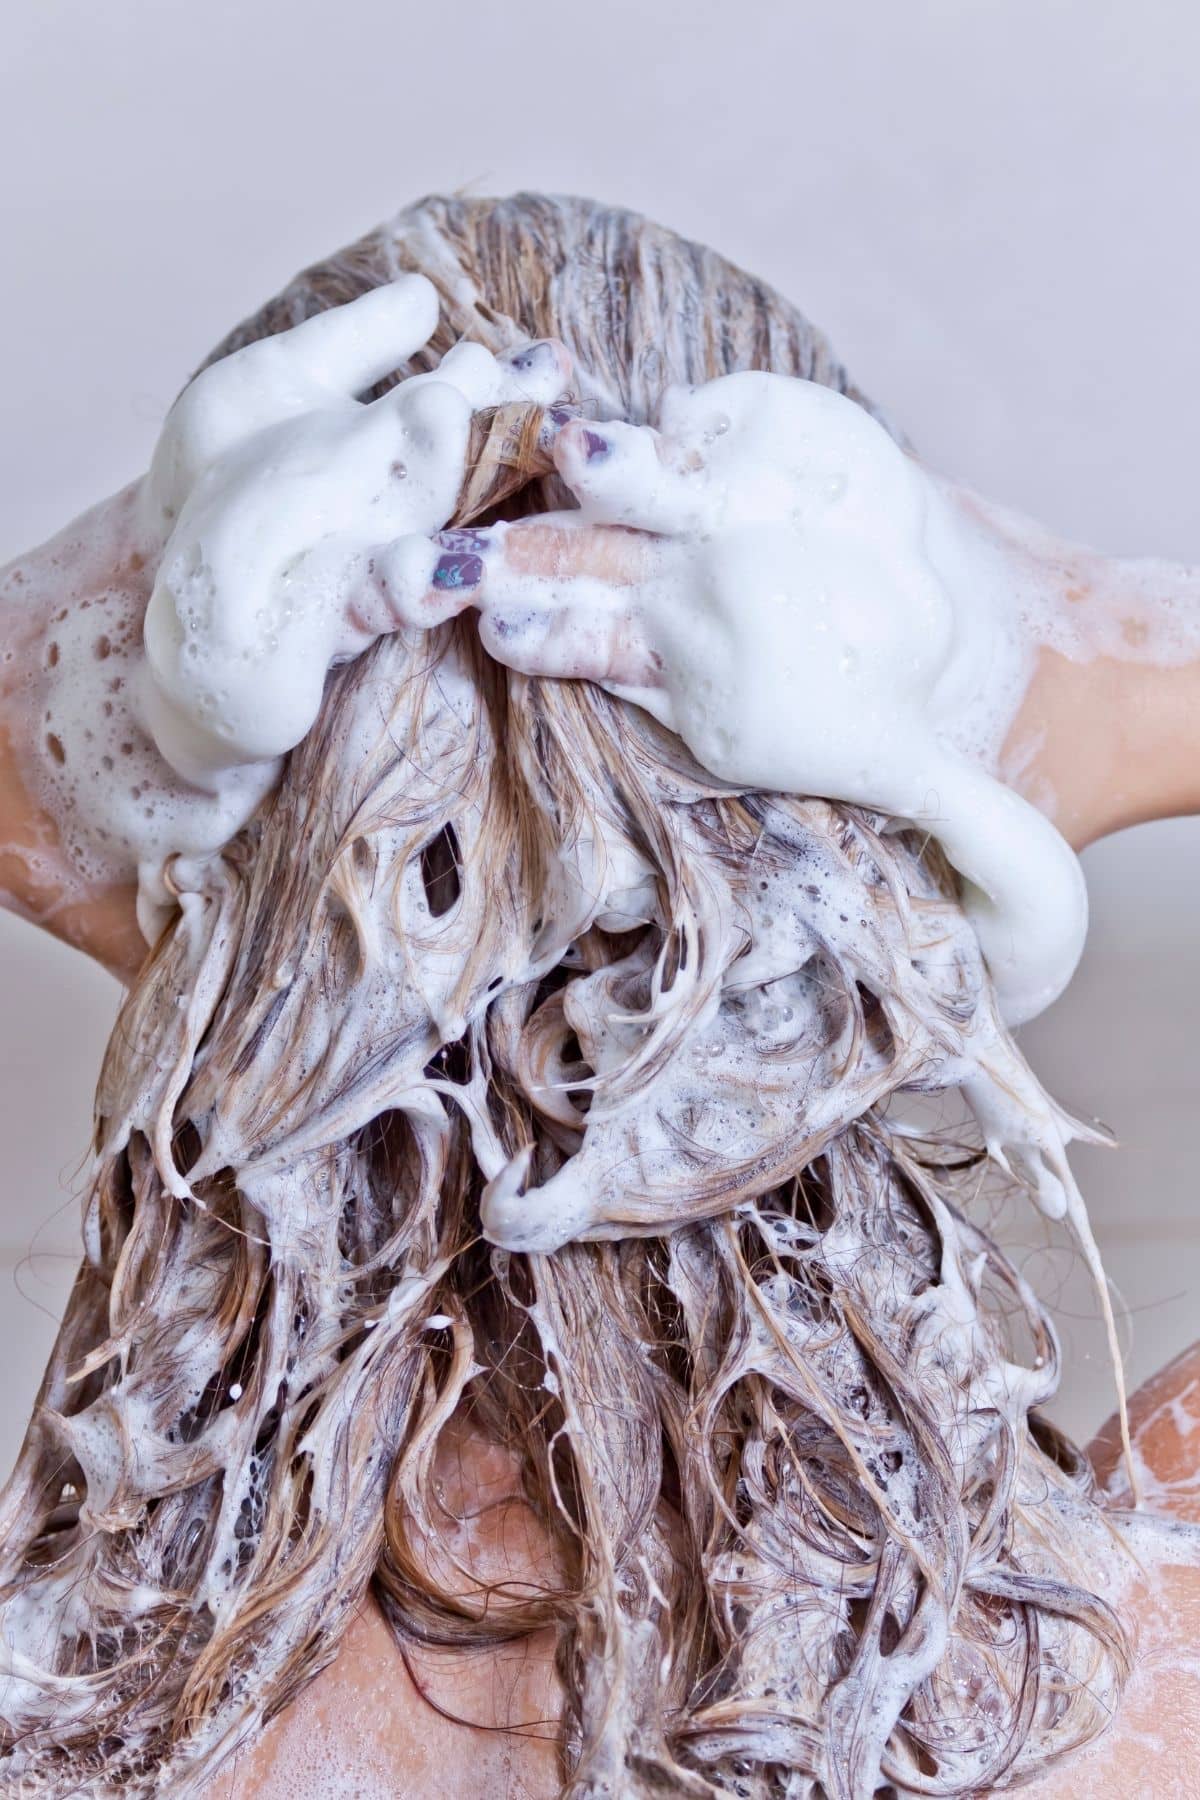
(988, 207)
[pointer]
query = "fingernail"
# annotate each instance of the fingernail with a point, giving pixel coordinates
(595, 446)
(530, 355)
(462, 537)
(458, 569)
(553, 420)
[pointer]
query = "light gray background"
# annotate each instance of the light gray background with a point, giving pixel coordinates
(989, 206)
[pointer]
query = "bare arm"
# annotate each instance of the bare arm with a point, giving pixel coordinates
(1104, 732)
(54, 871)
(1109, 734)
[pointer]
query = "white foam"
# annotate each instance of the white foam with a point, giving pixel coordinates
(270, 490)
(821, 618)
(827, 617)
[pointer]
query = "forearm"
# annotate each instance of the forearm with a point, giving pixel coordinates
(56, 868)
(1106, 732)
(1104, 744)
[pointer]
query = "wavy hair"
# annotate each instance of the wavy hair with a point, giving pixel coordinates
(776, 1408)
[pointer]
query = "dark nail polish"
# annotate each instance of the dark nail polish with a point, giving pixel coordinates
(595, 445)
(457, 569)
(531, 354)
(553, 420)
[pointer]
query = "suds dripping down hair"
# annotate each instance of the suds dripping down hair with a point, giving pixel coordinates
(778, 1417)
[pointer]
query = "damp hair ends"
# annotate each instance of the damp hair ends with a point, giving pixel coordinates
(778, 1401)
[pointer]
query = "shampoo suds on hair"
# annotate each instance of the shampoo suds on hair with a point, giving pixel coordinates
(824, 618)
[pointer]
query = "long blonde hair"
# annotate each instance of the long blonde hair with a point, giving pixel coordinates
(778, 1415)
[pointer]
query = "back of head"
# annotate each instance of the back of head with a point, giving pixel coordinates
(640, 307)
(498, 950)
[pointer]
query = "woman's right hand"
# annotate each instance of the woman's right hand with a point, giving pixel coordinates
(773, 578)
(777, 585)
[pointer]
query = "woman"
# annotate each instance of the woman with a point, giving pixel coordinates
(721, 1467)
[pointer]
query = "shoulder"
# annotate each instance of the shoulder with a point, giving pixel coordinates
(1153, 1749)
(1164, 1419)
(376, 1723)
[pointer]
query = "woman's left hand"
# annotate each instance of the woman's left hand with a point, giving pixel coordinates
(165, 650)
(282, 499)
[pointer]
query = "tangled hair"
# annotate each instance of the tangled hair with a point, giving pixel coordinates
(776, 1409)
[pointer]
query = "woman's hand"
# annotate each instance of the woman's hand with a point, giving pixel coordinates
(1075, 677)
(779, 609)
(244, 564)
(775, 580)
(280, 496)
(810, 609)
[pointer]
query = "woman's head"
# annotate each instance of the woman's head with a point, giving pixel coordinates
(639, 307)
(498, 951)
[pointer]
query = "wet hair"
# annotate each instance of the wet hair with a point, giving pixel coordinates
(778, 1413)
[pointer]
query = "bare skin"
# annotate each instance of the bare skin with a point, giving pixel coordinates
(1098, 744)
(417, 1715)
(394, 1708)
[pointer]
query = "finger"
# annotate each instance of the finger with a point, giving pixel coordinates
(553, 599)
(431, 577)
(431, 414)
(586, 637)
(426, 579)
(420, 580)
(563, 547)
(420, 431)
(618, 474)
(349, 348)
(538, 373)
(558, 597)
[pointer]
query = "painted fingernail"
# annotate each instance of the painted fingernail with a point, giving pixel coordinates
(595, 446)
(462, 537)
(531, 355)
(553, 420)
(457, 569)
